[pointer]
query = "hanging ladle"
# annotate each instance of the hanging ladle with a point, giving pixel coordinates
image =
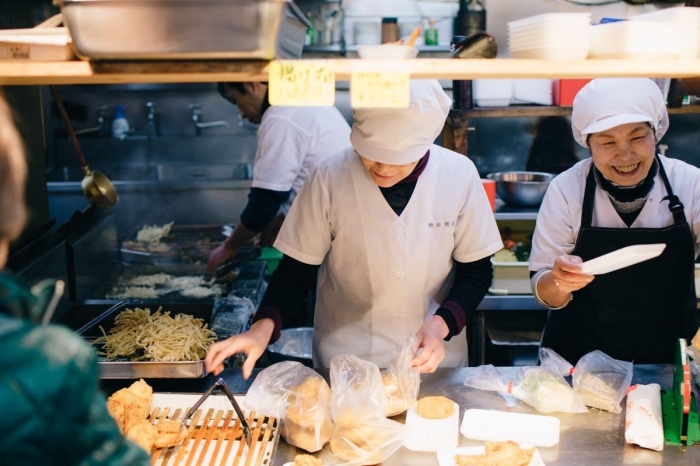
(96, 187)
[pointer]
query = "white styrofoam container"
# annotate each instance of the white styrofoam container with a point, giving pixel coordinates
(431, 434)
(512, 277)
(492, 92)
(499, 426)
(549, 19)
(647, 40)
(687, 21)
(533, 91)
(551, 53)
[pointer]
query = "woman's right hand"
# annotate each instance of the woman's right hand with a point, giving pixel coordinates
(252, 343)
(567, 276)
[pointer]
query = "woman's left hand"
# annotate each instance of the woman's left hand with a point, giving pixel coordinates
(431, 344)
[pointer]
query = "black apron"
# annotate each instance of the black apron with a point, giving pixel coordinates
(638, 312)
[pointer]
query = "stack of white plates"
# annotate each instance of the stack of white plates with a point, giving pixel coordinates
(686, 20)
(643, 40)
(553, 36)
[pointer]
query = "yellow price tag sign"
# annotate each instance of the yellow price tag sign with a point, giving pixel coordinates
(301, 83)
(375, 89)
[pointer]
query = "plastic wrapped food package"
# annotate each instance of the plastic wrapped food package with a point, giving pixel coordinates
(643, 423)
(401, 381)
(602, 381)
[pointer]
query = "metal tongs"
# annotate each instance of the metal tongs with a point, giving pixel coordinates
(239, 412)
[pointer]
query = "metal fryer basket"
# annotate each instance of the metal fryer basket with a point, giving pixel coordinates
(185, 29)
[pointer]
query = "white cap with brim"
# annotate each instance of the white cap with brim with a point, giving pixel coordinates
(609, 102)
(398, 136)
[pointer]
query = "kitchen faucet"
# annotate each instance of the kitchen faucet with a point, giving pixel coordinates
(197, 113)
(101, 112)
(153, 119)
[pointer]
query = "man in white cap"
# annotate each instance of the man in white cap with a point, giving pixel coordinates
(399, 232)
(624, 195)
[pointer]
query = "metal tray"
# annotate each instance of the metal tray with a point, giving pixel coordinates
(146, 369)
(185, 29)
(177, 270)
(185, 244)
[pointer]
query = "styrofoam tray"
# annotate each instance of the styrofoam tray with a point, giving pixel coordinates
(431, 434)
(446, 457)
(621, 258)
(551, 53)
(550, 18)
(499, 426)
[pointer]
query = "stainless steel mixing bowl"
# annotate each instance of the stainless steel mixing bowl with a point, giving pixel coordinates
(520, 188)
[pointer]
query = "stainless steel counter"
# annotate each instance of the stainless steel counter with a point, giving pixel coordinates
(596, 438)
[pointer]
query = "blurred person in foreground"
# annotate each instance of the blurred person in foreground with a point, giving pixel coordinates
(52, 410)
(625, 194)
(400, 233)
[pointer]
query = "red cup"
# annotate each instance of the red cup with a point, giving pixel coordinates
(490, 188)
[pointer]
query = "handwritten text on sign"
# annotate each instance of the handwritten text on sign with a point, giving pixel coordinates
(379, 89)
(301, 83)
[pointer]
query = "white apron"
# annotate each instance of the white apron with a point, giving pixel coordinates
(383, 275)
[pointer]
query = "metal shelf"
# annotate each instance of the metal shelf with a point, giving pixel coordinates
(16, 72)
(539, 111)
(516, 302)
(506, 212)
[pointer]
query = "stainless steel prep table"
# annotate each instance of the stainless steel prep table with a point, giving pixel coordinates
(596, 438)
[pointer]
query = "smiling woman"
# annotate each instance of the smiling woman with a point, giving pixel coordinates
(624, 195)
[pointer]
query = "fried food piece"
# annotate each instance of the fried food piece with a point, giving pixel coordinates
(307, 424)
(307, 460)
(498, 454)
(435, 407)
(361, 442)
(168, 427)
(143, 434)
(130, 405)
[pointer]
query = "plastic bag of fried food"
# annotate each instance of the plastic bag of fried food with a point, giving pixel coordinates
(401, 381)
(300, 397)
(130, 408)
(362, 434)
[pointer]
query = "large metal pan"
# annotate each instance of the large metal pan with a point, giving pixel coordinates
(96, 186)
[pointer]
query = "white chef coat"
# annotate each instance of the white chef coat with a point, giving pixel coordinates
(559, 218)
(291, 141)
(383, 275)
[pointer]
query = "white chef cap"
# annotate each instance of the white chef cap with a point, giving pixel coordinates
(608, 102)
(399, 136)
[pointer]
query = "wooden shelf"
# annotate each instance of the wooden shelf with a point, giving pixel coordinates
(540, 111)
(81, 72)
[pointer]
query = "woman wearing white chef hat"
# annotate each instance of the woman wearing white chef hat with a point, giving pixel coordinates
(399, 232)
(624, 195)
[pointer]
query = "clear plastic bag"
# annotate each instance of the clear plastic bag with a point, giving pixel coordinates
(550, 359)
(362, 434)
(300, 397)
(544, 390)
(602, 381)
(401, 381)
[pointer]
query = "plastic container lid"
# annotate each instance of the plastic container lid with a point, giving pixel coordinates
(499, 426)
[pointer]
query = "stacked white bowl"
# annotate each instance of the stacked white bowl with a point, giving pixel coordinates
(686, 21)
(550, 36)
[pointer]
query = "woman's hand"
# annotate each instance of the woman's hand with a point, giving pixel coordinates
(431, 344)
(567, 276)
(556, 286)
(252, 343)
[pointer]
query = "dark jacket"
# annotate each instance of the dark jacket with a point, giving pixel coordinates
(52, 411)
